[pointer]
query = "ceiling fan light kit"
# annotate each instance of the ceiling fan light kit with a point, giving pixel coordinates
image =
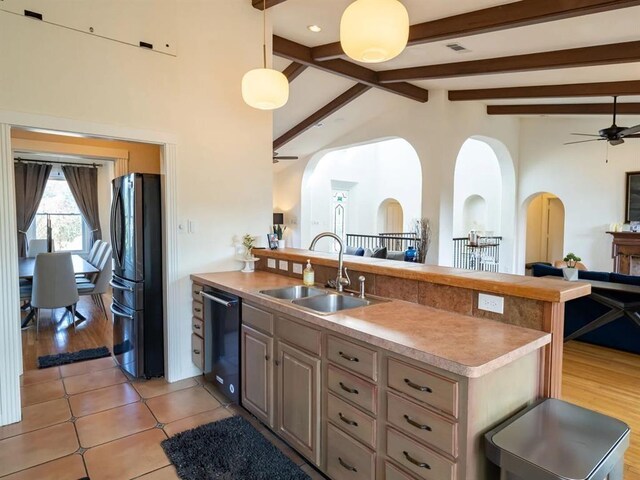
(265, 88)
(374, 31)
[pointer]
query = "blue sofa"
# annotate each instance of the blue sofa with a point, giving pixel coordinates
(621, 334)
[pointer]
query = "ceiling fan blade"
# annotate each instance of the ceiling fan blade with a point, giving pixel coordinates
(585, 134)
(285, 157)
(274, 161)
(629, 131)
(635, 135)
(584, 141)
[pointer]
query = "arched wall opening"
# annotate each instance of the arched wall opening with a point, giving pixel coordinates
(484, 168)
(544, 215)
(363, 176)
(390, 216)
(474, 213)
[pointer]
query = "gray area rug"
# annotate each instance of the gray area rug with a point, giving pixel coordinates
(47, 361)
(230, 449)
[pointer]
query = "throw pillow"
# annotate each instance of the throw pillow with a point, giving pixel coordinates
(540, 270)
(350, 250)
(360, 252)
(367, 252)
(380, 252)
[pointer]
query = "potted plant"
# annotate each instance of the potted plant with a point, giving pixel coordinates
(248, 242)
(570, 272)
(278, 230)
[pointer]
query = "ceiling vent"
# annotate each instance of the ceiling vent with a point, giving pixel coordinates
(456, 47)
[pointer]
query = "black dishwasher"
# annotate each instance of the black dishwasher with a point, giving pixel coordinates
(222, 319)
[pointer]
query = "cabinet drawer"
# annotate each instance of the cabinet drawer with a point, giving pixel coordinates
(347, 459)
(425, 386)
(353, 357)
(421, 423)
(299, 335)
(196, 288)
(257, 318)
(417, 458)
(351, 420)
(352, 388)
(391, 472)
(197, 310)
(197, 351)
(197, 326)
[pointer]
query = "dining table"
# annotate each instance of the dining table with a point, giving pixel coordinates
(26, 266)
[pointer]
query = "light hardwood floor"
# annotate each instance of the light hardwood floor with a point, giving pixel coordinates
(607, 381)
(57, 335)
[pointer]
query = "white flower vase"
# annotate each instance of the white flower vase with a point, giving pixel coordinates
(570, 273)
(281, 244)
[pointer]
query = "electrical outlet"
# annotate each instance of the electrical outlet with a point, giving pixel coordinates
(271, 263)
(283, 265)
(491, 303)
(297, 268)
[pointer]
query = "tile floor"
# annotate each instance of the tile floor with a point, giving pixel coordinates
(89, 420)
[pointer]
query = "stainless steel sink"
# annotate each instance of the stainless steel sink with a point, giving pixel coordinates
(293, 293)
(331, 303)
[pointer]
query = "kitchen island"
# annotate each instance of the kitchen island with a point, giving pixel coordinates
(393, 390)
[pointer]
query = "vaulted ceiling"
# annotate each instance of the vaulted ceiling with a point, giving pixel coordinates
(581, 51)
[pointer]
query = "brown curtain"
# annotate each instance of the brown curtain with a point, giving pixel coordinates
(31, 178)
(83, 183)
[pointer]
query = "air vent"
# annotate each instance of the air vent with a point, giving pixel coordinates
(36, 15)
(456, 47)
(146, 45)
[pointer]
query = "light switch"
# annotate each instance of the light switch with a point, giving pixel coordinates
(283, 265)
(271, 263)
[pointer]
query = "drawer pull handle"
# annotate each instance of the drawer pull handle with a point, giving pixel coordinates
(347, 466)
(347, 389)
(266, 357)
(416, 462)
(197, 310)
(416, 424)
(346, 420)
(196, 326)
(277, 363)
(197, 352)
(347, 357)
(417, 387)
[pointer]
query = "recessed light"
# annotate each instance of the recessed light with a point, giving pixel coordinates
(314, 28)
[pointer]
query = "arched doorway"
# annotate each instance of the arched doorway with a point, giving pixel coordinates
(545, 215)
(390, 217)
(474, 213)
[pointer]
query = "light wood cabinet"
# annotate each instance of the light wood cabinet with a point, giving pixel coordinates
(257, 374)
(299, 400)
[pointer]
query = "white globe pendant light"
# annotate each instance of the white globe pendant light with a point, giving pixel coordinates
(374, 31)
(265, 88)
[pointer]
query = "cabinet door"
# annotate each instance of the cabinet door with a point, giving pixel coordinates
(257, 374)
(299, 400)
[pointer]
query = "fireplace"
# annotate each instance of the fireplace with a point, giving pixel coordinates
(625, 251)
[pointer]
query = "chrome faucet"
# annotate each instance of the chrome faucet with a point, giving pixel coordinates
(341, 281)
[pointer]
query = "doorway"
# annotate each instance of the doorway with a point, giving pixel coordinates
(545, 229)
(390, 217)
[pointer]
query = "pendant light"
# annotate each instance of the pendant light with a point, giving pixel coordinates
(374, 31)
(265, 88)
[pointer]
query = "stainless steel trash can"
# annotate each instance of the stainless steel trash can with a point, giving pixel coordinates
(553, 440)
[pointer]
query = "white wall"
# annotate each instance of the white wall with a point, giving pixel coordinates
(371, 174)
(223, 146)
(477, 172)
(591, 189)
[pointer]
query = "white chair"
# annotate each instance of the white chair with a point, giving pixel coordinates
(36, 246)
(97, 250)
(100, 281)
(54, 285)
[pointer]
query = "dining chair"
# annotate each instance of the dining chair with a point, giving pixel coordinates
(36, 246)
(100, 282)
(54, 285)
(95, 255)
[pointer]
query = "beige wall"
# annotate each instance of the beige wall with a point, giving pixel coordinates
(224, 178)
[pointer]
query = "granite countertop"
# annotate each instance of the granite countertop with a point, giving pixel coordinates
(459, 344)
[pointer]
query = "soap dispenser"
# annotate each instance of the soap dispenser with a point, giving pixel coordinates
(308, 276)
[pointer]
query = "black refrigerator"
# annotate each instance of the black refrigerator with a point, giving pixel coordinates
(137, 307)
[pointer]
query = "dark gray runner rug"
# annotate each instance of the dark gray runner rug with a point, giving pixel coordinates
(229, 449)
(47, 361)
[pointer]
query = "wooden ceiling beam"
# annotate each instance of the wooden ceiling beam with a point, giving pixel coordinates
(501, 17)
(331, 107)
(259, 4)
(575, 57)
(302, 54)
(602, 89)
(293, 70)
(565, 109)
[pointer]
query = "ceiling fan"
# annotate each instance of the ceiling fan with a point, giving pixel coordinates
(277, 158)
(615, 135)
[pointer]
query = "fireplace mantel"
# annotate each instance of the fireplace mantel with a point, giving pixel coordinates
(625, 251)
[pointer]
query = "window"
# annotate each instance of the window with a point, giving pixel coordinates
(68, 229)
